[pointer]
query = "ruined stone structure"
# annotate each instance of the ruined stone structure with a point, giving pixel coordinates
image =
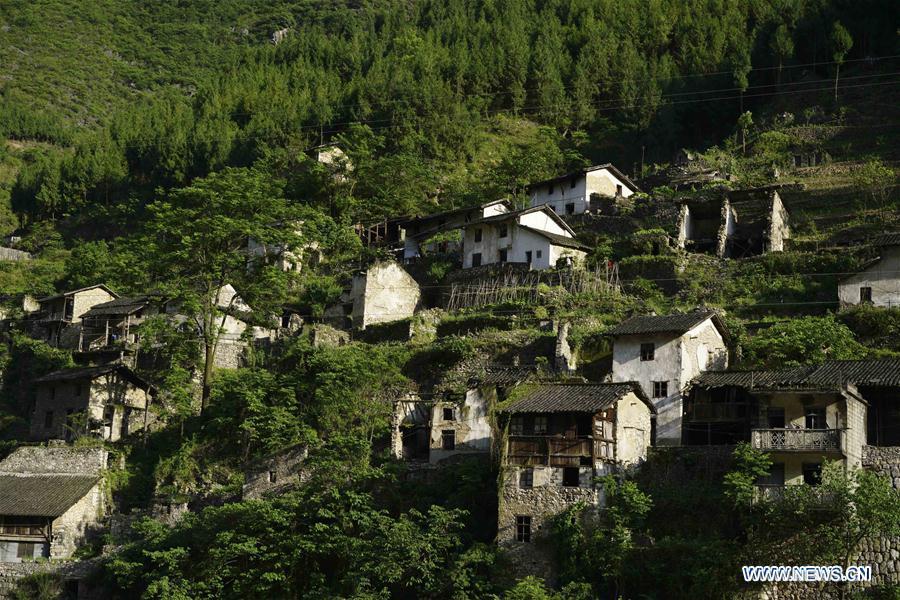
(663, 354)
(558, 439)
(108, 401)
(275, 474)
(382, 293)
(878, 282)
(58, 318)
(734, 224)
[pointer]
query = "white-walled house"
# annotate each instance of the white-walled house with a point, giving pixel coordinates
(878, 283)
(534, 236)
(663, 354)
(570, 194)
(417, 231)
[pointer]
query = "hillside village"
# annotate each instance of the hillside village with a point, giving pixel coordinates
(448, 299)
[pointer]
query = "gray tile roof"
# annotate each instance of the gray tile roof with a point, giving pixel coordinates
(888, 239)
(675, 323)
(559, 240)
(93, 373)
(120, 306)
(84, 289)
(504, 375)
(612, 168)
(832, 374)
(42, 495)
(574, 397)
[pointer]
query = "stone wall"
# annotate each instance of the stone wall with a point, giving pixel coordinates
(73, 575)
(276, 474)
(55, 459)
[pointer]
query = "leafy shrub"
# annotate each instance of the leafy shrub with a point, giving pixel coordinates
(801, 341)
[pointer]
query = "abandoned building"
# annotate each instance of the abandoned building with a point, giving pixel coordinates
(13, 255)
(289, 260)
(734, 225)
(445, 428)
(116, 323)
(878, 282)
(559, 438)
(419, 233)
(535, 236)
(578, 192)
(275, 474)
(50, 498)
(58, 318)
(109, 402)
(663, 354)
(801, 416)
(382, 293)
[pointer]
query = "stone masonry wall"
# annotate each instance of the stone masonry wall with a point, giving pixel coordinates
(55, 459)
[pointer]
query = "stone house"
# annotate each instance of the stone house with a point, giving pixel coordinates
(447, 428)
(58, 318)
(878, 282)
(558, 439)
(571, 194)
(663, 354)
(838, 410)
(50, 499)
(382, 293)
(418, 231)
(109, 402)
(275, 474)
(289, 260)
(117, 322)
(535, 236)
(734, 224)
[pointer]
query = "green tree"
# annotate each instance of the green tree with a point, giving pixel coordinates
(745, 122)
(782, 46)
(196, 245)
(841, 42)
(802, 341)
(749, 465)
(875, 180)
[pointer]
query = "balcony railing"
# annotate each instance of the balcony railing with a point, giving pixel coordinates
(548, 450)
(798, 440)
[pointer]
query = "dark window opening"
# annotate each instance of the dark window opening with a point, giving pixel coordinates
(48, 419)
(618, 190)
(448, 439)
(865, 294)
(504, 230)
(574, 182)
(812, 473)
(273, 477)
(571, 477)
(448, 414)
(526, 478)
(523, 529)
(539, 253)
(570, 208)
(528, 256)
(550, 189)
(478, 235)
(503, 255)
(476, 259)
(660, 389)
(815, 418)
(540, 425)
(648, 351)
(775, 418)
(516, 426)
(25, 550)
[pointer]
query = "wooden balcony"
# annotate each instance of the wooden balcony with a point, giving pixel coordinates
(798, 440)
(549, 450)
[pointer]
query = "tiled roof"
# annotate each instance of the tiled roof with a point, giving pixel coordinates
(84, 289)
(675, 323)
(888, 239)
(574, 397)
(832, 374)
(42, 495)
(120, 306)
(93, 373)
(559, 240)
(608, 166)
(505, 375)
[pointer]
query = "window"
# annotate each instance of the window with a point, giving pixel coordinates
(448, 414)
(526, 478)
(48, 419)
(660, 389)
(25, 550)
(476, 259)
(812, 473)
(448, 439)
(523, 529)
(478, 235)
(573, 183)
(273, 477)
(775, 417)
(648, 351)
(528, 256)
(570, 208)
(550, 189)
(865, 295)
(503, 255)
(570, 477)
(618, 190)
(815, 418)
(504, 230)
(539, 253)
(515, 426)
(540, 425)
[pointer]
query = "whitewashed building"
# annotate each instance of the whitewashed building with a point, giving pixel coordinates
(663, 354)
(878, 283)
(535, 236)
(419, 230)
(570, 194)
